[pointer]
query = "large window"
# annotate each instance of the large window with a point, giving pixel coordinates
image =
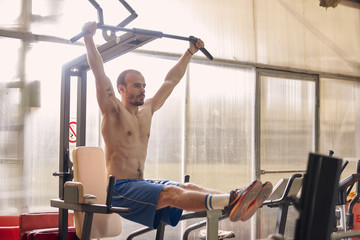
(219, 125)
(286, 133)
(219, 130)
(340, 120)
(287, 120)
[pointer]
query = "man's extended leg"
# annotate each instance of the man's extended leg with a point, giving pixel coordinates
(236, 204)
(179, 197)
(197, 188)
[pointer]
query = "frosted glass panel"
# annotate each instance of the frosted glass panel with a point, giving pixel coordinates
(219, 126)
(340, 117)
(219, 123)
(297, 34)
(10, 149)
(9, 12)
(287, 135)
(302, 34)
(287, 123)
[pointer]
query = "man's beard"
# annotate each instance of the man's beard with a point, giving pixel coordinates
(140, 102)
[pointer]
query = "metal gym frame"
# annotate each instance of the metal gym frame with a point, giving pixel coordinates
(136, 31)
(78, 67)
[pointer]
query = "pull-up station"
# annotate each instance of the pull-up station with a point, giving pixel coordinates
(76, 69)
(136, 36)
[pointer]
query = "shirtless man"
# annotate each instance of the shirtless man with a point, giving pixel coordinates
(126, 130)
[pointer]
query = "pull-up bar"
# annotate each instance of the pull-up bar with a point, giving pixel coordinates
(139, 31)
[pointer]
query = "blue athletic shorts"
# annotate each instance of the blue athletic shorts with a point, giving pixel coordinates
(142, 197)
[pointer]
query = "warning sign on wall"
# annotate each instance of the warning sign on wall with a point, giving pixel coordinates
(72, 132)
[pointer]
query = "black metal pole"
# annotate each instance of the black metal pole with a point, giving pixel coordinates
(81, 108)
(64, 149)
(158, 34)
(144, 32)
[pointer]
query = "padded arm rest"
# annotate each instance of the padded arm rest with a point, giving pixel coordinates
(74, 193)
(95, 208)
(74, 199)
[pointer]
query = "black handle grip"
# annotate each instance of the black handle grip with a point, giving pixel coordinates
(203, 50)
(206, 53)
(110, 190)
(187, 178)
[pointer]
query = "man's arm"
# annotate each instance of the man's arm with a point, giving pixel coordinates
(104, 89)
(174, 76)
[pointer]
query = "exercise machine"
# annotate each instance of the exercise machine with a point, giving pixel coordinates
(114, 47)
(318, 198)
(346, 218)
(94, 216)
(283, 196)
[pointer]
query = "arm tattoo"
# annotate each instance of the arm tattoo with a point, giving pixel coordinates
(110, 93)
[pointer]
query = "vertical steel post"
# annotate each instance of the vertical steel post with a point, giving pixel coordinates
(81, 109)
(64, 148)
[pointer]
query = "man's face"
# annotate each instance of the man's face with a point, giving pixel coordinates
(135, 89)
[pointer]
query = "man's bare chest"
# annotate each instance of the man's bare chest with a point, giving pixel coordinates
(128, 127)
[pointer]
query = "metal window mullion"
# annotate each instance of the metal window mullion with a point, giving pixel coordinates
(81, 109)
(64, 147)
(317, 115)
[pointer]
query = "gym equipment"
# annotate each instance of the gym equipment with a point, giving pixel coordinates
(345, 187)
(87, 196)
(284, 195)
(346, 218)
(114, 47)
(136, 31)
(318, 198)
(212, 222)
(77, 68)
